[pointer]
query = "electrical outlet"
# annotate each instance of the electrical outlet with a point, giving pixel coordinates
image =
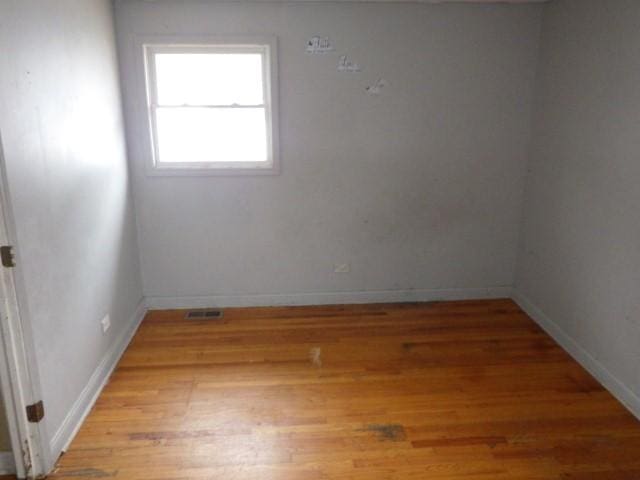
(341, 268)
(106, 323)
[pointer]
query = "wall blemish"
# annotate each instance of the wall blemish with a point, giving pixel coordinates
(318, 44)
(346, 65)
(376, 88)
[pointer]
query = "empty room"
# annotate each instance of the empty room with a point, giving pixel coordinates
(320, 239)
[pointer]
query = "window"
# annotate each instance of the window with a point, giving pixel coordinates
(211, 107)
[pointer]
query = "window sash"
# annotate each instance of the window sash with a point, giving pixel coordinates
(208, 140)
(233, 50)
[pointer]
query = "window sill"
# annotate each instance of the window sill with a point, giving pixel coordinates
(212, 171)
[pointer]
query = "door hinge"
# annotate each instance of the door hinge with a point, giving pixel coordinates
(6, 254)
(35, 412)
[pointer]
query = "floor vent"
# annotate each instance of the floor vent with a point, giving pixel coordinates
(203, 314)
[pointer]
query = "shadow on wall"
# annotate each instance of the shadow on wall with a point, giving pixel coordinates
(5, 441)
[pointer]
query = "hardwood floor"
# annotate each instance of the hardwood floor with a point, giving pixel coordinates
(460, 390)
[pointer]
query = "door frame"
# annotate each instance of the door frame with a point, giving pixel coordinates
(19, 378)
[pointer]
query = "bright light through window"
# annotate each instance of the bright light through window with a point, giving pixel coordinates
(209, 79)
(210, 106)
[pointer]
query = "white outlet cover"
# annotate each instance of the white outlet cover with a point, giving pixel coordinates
(106, 323)
(341, 268)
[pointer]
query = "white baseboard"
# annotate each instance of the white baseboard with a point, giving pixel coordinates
(619, 390)
(380, 296)
(82, 406)
(7, 463)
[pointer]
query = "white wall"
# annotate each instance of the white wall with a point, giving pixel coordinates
(418, 189)
(579, 269)
(62, 134)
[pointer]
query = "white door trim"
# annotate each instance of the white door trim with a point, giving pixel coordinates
(18, 372)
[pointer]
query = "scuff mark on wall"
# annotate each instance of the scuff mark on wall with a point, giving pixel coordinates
(319, 44)
(346, 65)
(376, 88)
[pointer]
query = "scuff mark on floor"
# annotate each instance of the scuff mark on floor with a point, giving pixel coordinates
(315, 355)
(408, 346)
(388, 431)
(87, 472)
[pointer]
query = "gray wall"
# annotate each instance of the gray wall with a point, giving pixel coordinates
(418, 189)
(580, 258)
(62, 133)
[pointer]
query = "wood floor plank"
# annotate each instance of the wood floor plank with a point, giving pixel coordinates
(448, 390)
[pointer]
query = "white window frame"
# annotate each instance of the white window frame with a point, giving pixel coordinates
(264, 45)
